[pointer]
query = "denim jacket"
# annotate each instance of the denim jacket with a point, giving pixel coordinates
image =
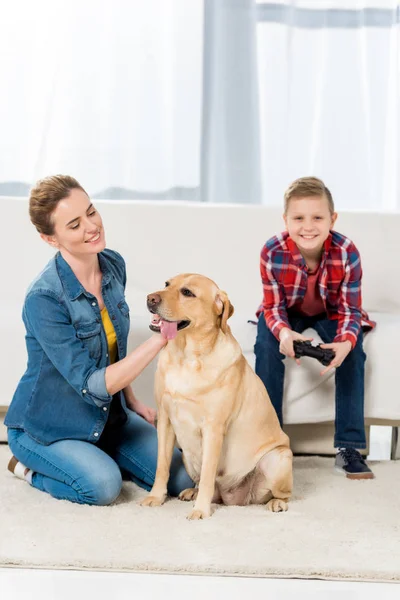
(62, 394)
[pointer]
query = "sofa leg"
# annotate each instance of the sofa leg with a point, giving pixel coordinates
(395, 447)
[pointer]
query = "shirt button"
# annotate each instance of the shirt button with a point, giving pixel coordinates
(107, 355)
(93, 303)
(104, 408)
(96, 434)
(113, 317)
(84, 391)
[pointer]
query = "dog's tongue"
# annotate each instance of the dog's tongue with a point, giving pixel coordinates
(168, 329)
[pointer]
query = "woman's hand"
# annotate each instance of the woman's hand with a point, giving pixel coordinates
(148, 414)
(286, 338)
(341, 350)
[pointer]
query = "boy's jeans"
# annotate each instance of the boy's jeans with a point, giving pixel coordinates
(349, 377)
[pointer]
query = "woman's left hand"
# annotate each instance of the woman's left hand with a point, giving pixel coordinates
(148, 414)
(341, 350)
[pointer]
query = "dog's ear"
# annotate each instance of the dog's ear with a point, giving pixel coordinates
(224, 308)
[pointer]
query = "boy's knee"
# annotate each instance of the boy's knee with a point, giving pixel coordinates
(266, 343)
(357, 354)
(264, 335)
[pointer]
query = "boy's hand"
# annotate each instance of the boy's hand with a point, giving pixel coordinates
(341, 350)
(286, 338)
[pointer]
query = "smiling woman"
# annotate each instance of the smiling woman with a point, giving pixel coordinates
(82, 234)
(74, 417)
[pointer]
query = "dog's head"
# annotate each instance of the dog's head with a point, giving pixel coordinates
(191, 302)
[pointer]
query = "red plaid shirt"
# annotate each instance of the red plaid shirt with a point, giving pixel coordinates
(284, 279)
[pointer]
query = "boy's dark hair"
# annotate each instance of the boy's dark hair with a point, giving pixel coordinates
(308, 186)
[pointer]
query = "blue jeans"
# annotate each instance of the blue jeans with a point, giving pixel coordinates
(91, 474)
(349, 377)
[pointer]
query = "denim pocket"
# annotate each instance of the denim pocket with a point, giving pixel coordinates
(90, 334)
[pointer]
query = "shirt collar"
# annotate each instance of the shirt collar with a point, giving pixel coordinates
(296, 254)
(70, 282)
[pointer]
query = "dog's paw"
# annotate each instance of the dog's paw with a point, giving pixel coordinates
(197, 514)
(188, 494)
(277, 505)
(152, 501)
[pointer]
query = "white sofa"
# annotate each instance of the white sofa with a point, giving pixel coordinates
(161, 239)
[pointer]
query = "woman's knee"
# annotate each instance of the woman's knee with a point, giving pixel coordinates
(99, 488)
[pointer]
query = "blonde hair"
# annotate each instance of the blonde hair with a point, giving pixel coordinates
(44, 198)
(308, 186)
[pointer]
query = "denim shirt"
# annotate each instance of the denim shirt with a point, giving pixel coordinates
(62, 394)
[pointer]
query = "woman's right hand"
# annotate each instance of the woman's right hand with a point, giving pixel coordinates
(160, 340)
(286, 338)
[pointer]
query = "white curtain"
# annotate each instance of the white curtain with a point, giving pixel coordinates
(231, 167)
(212, 100)
(108, 91)
(329, 85)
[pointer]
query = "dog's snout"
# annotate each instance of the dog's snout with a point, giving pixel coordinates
(153, 300)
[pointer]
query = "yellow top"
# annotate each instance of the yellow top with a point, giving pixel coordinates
(111, 335)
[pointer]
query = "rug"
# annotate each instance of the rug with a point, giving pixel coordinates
(334, 529)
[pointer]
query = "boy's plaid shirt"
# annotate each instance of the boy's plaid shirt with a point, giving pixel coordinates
(284, 279)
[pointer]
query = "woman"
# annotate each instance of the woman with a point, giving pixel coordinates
(74, 422)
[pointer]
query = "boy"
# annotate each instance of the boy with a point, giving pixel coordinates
(311, 277)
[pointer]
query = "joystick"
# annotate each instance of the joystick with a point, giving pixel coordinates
(324, 355)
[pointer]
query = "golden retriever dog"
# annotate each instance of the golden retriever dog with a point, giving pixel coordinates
(213, 405)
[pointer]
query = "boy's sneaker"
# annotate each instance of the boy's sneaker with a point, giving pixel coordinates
(350, 463)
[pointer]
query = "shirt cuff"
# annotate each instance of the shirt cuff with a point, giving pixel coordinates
(346, 337)
(96, 387)
(277, 328)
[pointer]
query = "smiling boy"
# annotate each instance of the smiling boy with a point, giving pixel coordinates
(311, 277)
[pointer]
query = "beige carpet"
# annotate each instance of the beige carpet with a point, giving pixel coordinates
(334, 529)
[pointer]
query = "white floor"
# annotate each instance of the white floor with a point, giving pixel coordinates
(31, 584)
(18, 584)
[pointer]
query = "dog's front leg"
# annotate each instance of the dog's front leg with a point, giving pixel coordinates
(166, 441)
(213, 438)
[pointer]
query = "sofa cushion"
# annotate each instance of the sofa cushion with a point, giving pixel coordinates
(309, 398)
